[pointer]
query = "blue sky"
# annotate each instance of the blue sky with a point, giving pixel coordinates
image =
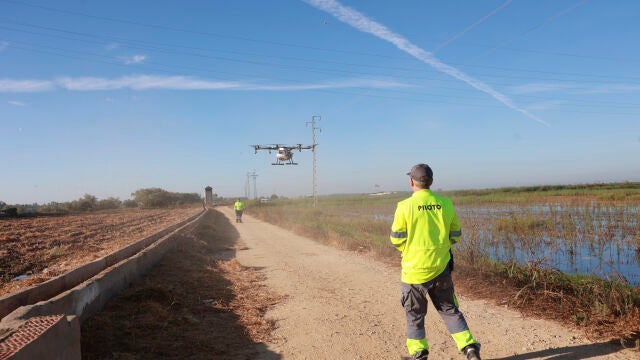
(109, 97)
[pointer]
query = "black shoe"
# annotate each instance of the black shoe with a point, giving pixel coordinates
(420, 355)
(472, 352)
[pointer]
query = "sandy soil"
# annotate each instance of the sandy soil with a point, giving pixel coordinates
(345, 305)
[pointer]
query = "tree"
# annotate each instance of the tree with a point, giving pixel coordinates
(129, 203)
(86, 203)
(109, 203)
(10, 211)
(156, 197)
(54, 208)
(151, 197)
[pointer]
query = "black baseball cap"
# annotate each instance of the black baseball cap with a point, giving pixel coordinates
(421, 172)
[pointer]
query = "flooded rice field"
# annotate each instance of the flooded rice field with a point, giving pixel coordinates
(596, 239)
(600, 240)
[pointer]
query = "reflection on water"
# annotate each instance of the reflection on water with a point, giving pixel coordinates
(600, 240)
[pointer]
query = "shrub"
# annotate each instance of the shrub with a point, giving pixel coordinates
(109, 203)
(129, 203)
(158, 198)
(10, 211)
(85, 203)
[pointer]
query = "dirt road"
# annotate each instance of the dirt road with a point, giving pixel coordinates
(342, 305)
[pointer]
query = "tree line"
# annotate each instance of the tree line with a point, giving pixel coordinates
(148, 198)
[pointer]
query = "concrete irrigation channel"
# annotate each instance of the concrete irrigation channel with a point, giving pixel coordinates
(43, 321)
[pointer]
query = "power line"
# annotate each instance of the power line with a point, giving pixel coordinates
(536, 27)
(168, 28)
(150, 46)
(366, 94)
(165, 48)
(291, 45)
(325, 71)
(65, 52)
(483, 19)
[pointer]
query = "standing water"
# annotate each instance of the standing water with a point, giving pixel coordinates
(598, 240)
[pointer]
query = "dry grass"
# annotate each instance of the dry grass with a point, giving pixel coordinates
(550, 302)
(197, 303)
(602, 309)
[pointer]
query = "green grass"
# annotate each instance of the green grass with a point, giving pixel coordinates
(606, 192)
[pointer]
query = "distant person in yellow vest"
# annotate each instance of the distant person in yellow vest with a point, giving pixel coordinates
(239, 207)
(424, 227)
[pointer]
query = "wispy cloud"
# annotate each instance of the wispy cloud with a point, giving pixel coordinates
(112, 46)
(142, 82)
(3, 45)
(153, 82)
(575, 88)
(612, 88)
(361, 22)
(545, 105)
(134, 59)
(17, 103)
(341, 84)
(539, 88)
(21, 86)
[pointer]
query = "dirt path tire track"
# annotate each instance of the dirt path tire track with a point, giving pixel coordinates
(342, 305)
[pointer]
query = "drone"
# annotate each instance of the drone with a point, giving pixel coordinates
(284, 153)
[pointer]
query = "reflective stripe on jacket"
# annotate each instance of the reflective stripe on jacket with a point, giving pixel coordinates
(424, 227)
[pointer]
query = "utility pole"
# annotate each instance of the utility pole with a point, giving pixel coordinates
(255, 191)
(313, 149)
(246, 186)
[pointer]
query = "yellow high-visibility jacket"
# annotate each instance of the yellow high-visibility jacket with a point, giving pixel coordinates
(424, 228)
(239, 205)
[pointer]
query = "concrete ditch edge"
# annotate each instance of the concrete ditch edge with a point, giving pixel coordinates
(75, 305)
(73, 277)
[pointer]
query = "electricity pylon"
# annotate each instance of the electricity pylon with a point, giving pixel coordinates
(313, 148)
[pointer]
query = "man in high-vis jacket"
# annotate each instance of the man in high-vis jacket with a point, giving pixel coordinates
(424, 227)
(238, 206)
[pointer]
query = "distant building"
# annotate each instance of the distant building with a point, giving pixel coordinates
(208, 195)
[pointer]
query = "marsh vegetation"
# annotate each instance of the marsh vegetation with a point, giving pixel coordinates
(578, 246)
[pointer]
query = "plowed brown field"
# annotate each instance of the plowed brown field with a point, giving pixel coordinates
(44, 247)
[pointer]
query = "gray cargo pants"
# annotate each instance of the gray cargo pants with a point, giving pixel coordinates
(440, 290)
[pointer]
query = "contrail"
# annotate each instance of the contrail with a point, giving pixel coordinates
(360, 22)
(449, 40)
